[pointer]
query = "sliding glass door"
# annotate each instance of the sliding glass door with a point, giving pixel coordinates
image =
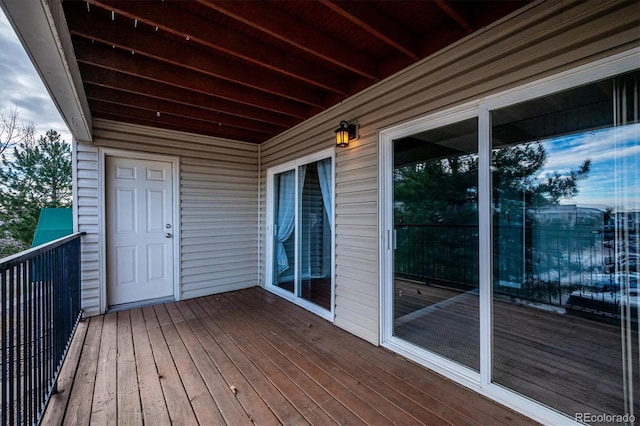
(435, 214)
(510, 242)
(300, 238)
(566, 209)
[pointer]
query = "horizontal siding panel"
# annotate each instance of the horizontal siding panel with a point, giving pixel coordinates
(359, 291)
(88, 174)
(354, 219)
(233, 186)
(354, 323)
(356, 305)
(356, 208)
(358, 265)
(213, 237)
(195, 224)
(85, 210)
(366, 162)
(222, 257)
(356, 197)
(365, 174)
(228, 218)
(232, 267)
(359, 185)
(205, 252)
(356, 231)
(223, 231)
(364, 281)
(362, 254)
(228, 168)
(357, 241)
(215, 282)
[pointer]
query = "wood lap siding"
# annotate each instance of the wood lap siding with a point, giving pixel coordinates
(539, 40)
(218, 207)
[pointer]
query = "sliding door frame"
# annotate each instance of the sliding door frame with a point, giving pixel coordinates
(480, 108)
(269, 285)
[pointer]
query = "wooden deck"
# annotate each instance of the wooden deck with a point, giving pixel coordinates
(249, 357)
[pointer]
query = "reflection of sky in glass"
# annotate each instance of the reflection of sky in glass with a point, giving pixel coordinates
(613, 179)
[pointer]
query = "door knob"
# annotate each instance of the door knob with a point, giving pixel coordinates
(168, 235)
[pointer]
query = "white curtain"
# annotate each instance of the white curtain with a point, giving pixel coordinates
(324, 175)
(287, 212)
(286, 215)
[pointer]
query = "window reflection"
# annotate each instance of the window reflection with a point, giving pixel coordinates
(436, 256)
(566, 217)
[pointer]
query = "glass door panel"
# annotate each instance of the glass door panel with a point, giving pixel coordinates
(315, 233)
(284, 205)
(300, 199)
(435, 286)
(566, 210)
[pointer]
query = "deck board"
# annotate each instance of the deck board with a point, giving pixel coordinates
(128, 394)
(153, 405)
(104, 400)
(78, 411)
(67, 375)
(178, 404)
(249, 357)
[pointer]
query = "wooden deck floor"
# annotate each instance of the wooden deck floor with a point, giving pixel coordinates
(249, 357)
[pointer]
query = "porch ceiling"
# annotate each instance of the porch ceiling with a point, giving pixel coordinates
(248, 71)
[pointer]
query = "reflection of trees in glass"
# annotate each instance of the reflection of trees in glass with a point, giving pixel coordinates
(518, 194)
(442, 193)
(514, 179)
(444, 190)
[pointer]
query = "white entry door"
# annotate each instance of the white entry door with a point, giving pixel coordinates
(139, 230)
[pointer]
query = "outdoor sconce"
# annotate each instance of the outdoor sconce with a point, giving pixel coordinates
(345, 133)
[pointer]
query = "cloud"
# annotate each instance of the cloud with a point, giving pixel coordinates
(21, 86)
(615, 159)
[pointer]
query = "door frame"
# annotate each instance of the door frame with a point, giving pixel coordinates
(481, 107)
(329, 315)
(102, 215)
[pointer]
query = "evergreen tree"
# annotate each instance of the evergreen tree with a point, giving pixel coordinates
(34, 176)
(444, 190)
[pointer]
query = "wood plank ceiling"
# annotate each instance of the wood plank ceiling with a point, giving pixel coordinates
(248, 70)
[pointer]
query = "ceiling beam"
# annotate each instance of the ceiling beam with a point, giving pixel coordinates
(116, 80)
(182, 24)
(457, 16)
(139, 65)
(145, 102)
(270, 20)
(194, 126)
(92, 26)
(378, 24)
(156, 124)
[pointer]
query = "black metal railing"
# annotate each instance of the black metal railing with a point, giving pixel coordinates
(40, 311)
(542, 263)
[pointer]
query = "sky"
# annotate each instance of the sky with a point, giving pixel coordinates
(21, 86)
(613, 178)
